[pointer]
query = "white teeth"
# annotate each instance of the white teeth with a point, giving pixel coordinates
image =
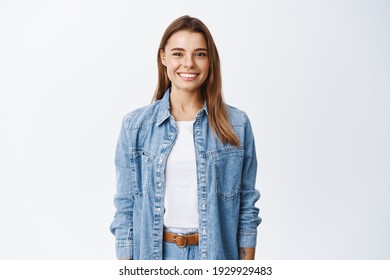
(185, 75)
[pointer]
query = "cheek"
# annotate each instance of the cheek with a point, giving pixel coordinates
(170, 71)
(206, 69)
(171, 67)
(171, 75)
(205, 66)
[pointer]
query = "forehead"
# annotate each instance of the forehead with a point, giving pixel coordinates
(186, 40)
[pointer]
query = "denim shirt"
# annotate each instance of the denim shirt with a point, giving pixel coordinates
(226, 176)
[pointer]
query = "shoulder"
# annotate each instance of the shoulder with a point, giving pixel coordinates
(142, 117)
(237, 117)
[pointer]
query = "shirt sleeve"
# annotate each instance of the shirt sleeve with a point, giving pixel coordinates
(249, 214)
(122, 225)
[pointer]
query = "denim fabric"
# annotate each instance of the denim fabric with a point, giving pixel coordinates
(226, 175)
(173, 252)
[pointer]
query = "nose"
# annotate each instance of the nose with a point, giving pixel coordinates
(189, 61)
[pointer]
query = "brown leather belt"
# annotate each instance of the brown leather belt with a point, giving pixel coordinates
(181, 240)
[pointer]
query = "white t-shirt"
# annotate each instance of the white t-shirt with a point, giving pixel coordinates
(181, 191)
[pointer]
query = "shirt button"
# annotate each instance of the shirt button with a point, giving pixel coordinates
(161, 160)
(203, 206)
(204, 255)
(204, 231)
(158, 209)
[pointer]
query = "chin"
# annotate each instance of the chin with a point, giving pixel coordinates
(188, 87)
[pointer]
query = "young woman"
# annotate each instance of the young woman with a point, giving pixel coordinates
(186, 164)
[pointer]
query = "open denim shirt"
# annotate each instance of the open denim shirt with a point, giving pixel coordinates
(226, 176)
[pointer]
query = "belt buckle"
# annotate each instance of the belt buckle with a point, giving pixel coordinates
(181, 239)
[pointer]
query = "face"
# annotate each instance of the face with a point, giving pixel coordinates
(186, 59)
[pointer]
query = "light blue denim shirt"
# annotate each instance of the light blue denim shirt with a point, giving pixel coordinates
(226, 175)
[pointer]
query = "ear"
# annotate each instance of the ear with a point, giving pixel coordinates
(162, 57)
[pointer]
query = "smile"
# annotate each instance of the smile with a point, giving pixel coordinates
(188, 76)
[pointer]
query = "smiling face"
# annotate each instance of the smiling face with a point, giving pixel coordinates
(186, 60)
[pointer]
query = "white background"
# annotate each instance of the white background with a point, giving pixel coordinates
(313, 77)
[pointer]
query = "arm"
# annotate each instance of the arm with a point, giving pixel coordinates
(121, 226)
(249, 215)
(246, 253)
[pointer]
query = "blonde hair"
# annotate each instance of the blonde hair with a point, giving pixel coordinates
(211, 89)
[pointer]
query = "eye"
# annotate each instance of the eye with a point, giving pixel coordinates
(201, 54)
(177, 54)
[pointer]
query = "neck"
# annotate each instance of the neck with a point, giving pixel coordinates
(185, 104)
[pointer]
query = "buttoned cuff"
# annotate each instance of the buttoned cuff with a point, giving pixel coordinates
(247, 238)
(124, 249)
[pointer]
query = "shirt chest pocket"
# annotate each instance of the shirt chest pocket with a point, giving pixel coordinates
(228, 171)
(141, 165)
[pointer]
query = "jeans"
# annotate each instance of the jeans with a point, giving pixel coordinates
(173, 252)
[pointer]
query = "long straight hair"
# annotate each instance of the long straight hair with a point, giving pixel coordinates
(211, 89)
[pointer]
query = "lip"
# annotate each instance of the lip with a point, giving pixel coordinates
(188, 76)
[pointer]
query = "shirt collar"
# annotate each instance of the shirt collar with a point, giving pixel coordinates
(164, 111)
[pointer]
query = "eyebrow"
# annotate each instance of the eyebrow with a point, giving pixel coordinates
(181, 49)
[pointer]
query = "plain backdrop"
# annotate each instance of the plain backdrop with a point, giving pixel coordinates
(313, 76)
